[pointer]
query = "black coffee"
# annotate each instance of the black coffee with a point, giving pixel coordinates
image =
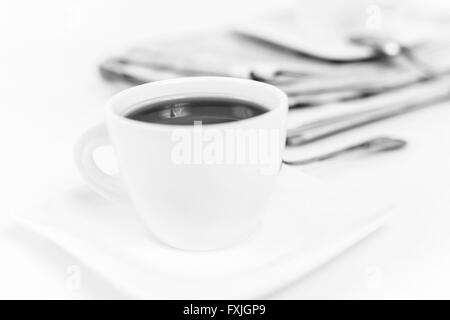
(184, 111)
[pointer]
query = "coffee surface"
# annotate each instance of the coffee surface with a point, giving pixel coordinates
(184, 111)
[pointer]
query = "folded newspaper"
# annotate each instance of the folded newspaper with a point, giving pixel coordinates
(306, 80)
(386, 86)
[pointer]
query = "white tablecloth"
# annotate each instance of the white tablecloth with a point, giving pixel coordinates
(51, 92)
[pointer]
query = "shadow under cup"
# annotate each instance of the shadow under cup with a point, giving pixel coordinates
(199, 187)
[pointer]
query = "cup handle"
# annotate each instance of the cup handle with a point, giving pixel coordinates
(106, 185)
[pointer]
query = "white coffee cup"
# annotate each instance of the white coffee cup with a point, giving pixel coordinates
(200, 205)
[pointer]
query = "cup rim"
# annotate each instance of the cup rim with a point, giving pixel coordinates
(110, 104)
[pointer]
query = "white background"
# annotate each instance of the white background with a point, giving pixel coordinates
(51, 92)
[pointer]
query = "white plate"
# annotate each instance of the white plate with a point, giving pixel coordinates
(305, 225)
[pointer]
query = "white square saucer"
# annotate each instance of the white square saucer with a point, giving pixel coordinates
(306, 224)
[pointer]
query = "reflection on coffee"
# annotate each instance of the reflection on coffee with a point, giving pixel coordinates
(184, 111)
